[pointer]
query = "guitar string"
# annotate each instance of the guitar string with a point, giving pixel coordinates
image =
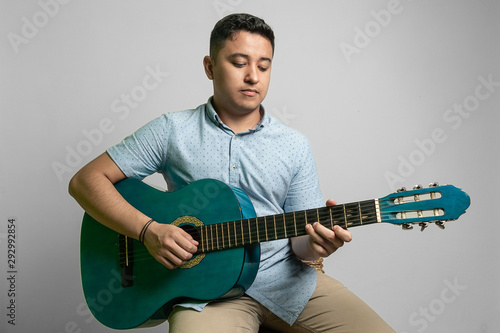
(323, 214)
(327, 215)
(337, 217)
(137, 255)
(143, 254)
(279, 234)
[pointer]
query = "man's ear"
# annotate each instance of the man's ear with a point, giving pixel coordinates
(208, 64)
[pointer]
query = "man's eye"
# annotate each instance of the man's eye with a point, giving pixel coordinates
(237, 64)
(263, 69)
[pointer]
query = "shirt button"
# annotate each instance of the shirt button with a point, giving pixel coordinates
(234, 167)
(236, 137)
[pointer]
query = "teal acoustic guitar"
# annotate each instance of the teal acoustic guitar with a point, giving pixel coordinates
(125, 287)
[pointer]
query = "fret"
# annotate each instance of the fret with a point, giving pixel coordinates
(202, 240)
(265, 227)
(228, 235)
(206, 237)
(253, 229)
(222, 234)
(217, 235)
(211, 238)
(213, 228)
(331, 218)
(370, 211)
(257, 227)
(311, 216)
(242, 234)
(345, 216)
(235, 237)
(279, 226)
(275, 232)
(249, 232)
(325, 217)
(294, 224)
(338, 215)
(235, 234)
(212, 235)
(360, 215)
(284, 225)
(262, 228)
(351, 212)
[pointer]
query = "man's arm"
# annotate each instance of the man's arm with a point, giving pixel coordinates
(320, 241)
(93, 189)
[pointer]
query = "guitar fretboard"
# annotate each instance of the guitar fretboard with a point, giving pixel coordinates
(226, 235)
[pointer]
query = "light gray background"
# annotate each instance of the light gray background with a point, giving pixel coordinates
(369, 116)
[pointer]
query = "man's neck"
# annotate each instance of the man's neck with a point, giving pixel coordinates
(241, 123)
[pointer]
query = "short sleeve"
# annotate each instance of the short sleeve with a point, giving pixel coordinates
(142, 153)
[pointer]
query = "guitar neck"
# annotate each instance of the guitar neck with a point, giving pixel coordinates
(226, 235)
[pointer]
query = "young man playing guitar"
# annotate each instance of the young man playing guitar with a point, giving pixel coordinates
(231, 138)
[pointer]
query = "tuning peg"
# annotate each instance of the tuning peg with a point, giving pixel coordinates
(401, 201)
(440, 224)
(434, 184)
(417, 187)
(423, 225)
(406, 226)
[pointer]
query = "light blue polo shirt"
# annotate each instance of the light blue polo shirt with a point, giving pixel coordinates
(272, 163)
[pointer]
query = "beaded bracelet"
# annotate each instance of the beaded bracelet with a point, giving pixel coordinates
(143, 231)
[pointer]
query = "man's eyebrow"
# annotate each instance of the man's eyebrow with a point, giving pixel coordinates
(242, 55)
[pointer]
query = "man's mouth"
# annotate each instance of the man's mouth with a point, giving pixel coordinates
(249, 92)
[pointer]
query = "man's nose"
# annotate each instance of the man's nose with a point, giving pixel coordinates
(252, 76)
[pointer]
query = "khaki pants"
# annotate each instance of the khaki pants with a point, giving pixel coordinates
(332, 308)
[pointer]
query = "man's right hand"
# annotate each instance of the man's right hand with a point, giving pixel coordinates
(169, 244)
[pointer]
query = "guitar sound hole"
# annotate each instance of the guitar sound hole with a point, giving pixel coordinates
(199, 255)
(193, 231)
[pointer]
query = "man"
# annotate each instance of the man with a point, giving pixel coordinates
(232, 139)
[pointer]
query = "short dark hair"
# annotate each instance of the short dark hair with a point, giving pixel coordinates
(233, 23)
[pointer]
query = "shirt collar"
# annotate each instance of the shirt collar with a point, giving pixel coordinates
(214, 117)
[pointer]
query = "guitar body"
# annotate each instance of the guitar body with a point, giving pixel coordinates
(136, 290)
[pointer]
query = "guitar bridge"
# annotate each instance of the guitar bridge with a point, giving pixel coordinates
(126, 255)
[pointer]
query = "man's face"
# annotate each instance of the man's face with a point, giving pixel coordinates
(241, 73)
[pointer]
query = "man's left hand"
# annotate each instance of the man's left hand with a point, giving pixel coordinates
(325, 241)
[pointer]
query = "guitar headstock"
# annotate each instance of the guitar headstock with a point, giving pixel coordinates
(421, 206)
